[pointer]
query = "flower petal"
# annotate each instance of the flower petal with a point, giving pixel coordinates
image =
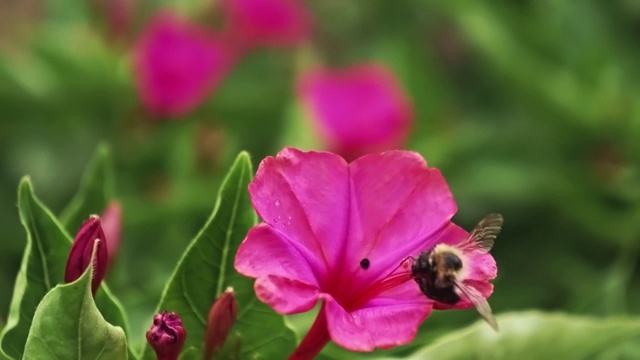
(285, 280)
(483, 267)
(305, 196)
(398, 204)
(285, 295)
(384, 323)
(266, 252)
(451, 234)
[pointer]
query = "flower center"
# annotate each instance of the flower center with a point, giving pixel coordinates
(353, 299)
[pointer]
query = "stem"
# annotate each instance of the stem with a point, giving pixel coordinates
(315, 340)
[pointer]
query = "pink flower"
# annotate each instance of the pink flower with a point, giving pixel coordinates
(340, 232)
(178, 64)
(358, 110)
(268, 22)
(112, 227)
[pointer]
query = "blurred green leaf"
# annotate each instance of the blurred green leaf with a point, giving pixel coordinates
(68, 325)
(95, 191)
(206, 269)
(42, 267)
(534, 335)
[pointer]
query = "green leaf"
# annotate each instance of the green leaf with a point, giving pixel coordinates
(534, 335)
(95, 191)
(42, 267)
(206, 270)
(68, 325)
(112, 310)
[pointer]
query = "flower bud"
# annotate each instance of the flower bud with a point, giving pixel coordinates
(81, 251)
(112, 226)
(220, 321)
(166, 335)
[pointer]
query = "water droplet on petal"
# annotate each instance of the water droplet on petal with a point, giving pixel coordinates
(276, 203)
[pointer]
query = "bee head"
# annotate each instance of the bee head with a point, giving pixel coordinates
(423, 264)
(451, 261)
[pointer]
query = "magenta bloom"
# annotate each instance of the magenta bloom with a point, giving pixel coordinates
(340, 232)
(81, 251)
(358, 110)
(268, 22)
(178, 64)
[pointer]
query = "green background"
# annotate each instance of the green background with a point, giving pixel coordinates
(529, 108)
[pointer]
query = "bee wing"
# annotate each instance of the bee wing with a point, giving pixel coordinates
(479, 302)
(484, 234)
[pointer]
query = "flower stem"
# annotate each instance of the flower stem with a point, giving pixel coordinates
(315, 340)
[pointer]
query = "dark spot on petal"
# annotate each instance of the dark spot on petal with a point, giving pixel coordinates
(364, 263)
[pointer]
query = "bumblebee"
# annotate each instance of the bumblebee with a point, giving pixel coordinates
(440, 272)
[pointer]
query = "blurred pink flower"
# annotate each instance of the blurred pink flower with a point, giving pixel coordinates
(338, 232)
(358, 110)
(268, 22)
(112, 227)
(178, 64)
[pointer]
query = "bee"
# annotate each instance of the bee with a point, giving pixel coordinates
(440, 272)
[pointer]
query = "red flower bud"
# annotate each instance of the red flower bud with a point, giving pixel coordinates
(166, 335)
(81, 251)
(221, 318)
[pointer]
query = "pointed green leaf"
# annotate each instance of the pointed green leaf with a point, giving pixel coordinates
(68, 325)
(42, 267)
(206, 269)
(112, 310)
(94, 192)
(534, 335)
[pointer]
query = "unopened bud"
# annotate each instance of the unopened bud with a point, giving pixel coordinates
(166, 335)
(220, 321)
(112, 226)
(81, 251)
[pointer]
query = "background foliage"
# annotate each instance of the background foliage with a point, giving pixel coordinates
(529, 108)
